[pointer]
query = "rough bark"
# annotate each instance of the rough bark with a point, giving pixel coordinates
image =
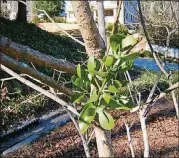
(103, 140)
(23, 68)
(101, 21)
(39, 89)
(93, 42)
(19, 51)
(21, 14)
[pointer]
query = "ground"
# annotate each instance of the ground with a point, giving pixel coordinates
(162, 127)
(53, 28)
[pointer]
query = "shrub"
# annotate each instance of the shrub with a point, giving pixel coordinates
(121, 28)
(59, 19)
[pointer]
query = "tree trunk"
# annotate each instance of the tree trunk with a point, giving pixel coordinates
(21, 14)
(101, 21)
(104, 144)
(93, 43)
(23, 68)
(20, 51)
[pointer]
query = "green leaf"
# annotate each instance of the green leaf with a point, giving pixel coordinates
(112, 89)
(86, 117)
(112, 104)
(124, 105)
(107, 97)
(117, 84)
(106, 120)
(91, 64)
(93, 97)
(115, 42)
(109, 76)
(132, 56)
(98, 64)
(78, 68)
(76, 97)
(109, 61)
(128, 41)
(116, 65)
(77, 81)
(101, 74)
(127, 65)
(119, 105)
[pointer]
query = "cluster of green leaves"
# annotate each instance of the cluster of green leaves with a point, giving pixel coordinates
(98, 85)
(51, 7)
(120, 29)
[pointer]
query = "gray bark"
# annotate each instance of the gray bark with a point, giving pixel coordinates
(144, 133)
(104, 143)
(101, 21)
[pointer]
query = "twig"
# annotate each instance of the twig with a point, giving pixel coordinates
(148, 40)
(25, 101)
(33, 66)
(129, 137)
(85, 144)
(90, 137)
(39, 89)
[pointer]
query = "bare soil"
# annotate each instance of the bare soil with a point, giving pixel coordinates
(50, 27)
(162, 127)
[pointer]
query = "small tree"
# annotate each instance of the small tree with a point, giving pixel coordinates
(53, 8)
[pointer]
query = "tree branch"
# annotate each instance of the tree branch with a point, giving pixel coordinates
(23, 52)
(18, 66)
(39, 89)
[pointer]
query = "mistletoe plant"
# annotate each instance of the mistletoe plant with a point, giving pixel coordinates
(98, 86)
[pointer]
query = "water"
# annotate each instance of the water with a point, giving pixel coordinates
(150, 64)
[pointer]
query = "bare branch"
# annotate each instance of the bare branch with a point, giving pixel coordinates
(23, 52)
(85, 144)
(148, 40)
(129, 137)
(39, 89)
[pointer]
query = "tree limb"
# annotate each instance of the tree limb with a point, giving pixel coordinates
(23, 52)
(18, 66)
(39, 89)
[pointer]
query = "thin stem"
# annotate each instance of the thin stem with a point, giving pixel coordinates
(129, 137)
(85, 144)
